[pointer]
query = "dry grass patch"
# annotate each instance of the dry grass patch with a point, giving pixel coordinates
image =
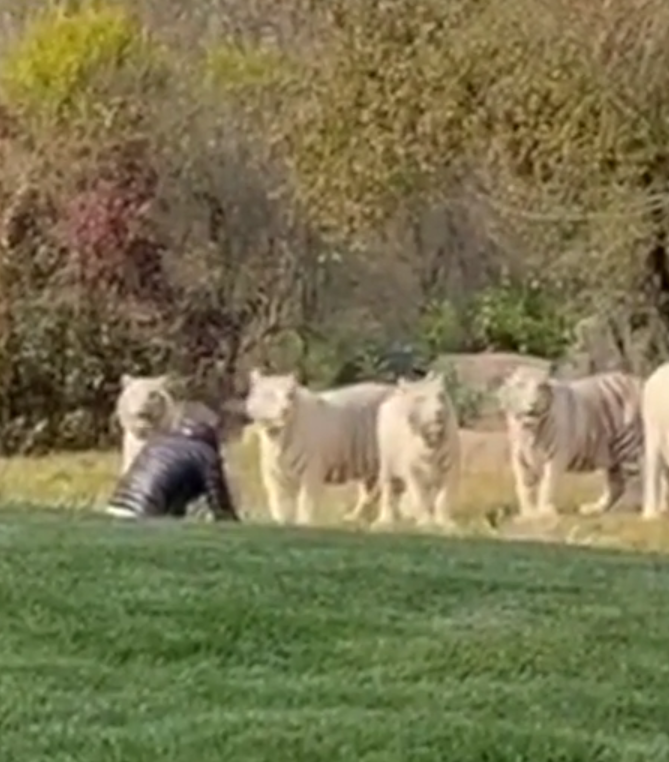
(84, 480)
(79, 480)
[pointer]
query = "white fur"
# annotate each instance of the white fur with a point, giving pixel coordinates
(419, 445)
(655, 411)
(147, 405)
(310, 439)
(120, 513)
(554, 427)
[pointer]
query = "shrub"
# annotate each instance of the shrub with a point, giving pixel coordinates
(468, 400)
(235, 67)
(67, 55)
(440, 329)
(521, 317)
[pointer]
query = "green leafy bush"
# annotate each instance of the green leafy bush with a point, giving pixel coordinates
(335, 363)
(521, 317)
(468, 400)
(440, 329)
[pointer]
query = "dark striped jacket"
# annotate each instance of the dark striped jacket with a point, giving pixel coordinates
(172, 470)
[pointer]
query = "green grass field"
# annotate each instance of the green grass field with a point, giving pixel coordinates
(196, 643)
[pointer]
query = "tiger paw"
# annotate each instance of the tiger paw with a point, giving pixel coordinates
(591, 509)
(426, 524)
(446, 525)
(351, 517)
(381, 525)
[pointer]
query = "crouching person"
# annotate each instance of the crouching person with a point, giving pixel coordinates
(171, 471)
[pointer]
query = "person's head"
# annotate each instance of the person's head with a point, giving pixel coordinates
(199, 430)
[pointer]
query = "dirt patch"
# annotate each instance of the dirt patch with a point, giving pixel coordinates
(486, 450)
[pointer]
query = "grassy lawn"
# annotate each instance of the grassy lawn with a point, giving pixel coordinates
(197, 643)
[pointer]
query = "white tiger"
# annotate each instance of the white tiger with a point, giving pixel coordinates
(655, 412)
(419, 446)
(147, 405)
(587, 424)
(309, 439)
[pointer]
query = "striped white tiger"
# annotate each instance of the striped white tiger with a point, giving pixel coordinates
(588, 424)
(655, 412)
(310, 439)
(419, 447)
(148, 405)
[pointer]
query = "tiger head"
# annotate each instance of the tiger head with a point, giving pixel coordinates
(270, 402)
(428, 407)
(526, 395)
(145, 403)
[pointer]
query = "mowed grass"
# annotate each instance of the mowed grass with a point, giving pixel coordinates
(181, 642)
(85, 480)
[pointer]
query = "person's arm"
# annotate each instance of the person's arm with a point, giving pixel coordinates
(217, 492)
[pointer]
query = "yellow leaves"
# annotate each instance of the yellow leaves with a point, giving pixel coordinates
(401, 91)
(67, 52)
(234, 67)
(377, 110)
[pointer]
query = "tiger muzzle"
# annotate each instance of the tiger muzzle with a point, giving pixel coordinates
(434, 432)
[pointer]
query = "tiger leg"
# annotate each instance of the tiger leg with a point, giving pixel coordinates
(526, 481)
(443, 508)
(280, 502)
(131, 447)
(664, 483)
(547, 486)
(307, 497)
(614, 489)
(280, 492)
(387, 501)
(419, 501)
(654, 477)
(368, 493)
(446, 498)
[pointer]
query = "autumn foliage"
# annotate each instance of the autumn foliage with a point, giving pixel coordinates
(306, 182)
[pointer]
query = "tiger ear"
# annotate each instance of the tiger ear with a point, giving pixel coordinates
(126, 380)
(503, 395)
(255, 374)
(402, 383)
(171, 383)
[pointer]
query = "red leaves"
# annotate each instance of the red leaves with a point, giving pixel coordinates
(105, 227)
